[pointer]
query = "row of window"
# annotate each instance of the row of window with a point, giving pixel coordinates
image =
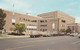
(30, 29)
(31, 25)
(43, 25)
(43, 21)
(43, 29)
(28, 20)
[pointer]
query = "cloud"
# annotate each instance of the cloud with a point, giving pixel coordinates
(19, 5)
(77, 19)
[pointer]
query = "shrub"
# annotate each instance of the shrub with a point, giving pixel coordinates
(62, 30)
(20, 28)
(68, 30)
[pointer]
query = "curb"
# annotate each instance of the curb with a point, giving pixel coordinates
(13, 37)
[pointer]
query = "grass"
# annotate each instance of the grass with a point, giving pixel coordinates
(3, 35)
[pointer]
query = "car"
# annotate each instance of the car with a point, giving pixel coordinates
(73, 34)
(35, 35)
(78, 35)
(68, 34)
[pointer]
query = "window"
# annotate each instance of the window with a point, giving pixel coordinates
(63, 25)
(43, 25)
(63, 21)
(24, 19)
(13, 23)
(32, 26)
(33, 21)
(28, 20)
(43, 30)
(43, 21)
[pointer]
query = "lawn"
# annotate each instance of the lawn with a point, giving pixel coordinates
(3, 35)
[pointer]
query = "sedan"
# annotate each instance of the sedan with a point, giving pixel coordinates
(79, 36)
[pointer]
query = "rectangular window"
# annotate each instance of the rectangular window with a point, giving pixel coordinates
(63, 21)
(43, 25)
(28, 20)
(43, 21)
(31, 26)
(63, 25)
(13, 23)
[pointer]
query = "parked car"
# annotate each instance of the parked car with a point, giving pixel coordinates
(68, 34)
(35, 35)
(73, 34)
(59, 34)
(78, 35)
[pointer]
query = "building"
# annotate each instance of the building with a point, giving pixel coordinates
(50, 21)
(75, 27)
(30, 22)
(57, 20)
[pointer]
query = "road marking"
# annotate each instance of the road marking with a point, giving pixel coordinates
(76, 42)
(20, 47)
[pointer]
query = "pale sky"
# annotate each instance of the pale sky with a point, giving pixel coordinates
(34, 7)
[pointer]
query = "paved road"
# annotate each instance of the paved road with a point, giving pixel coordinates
(43, 43)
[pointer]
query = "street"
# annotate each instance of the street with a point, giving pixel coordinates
(42, 43)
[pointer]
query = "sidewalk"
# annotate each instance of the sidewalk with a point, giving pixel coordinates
(11, 36)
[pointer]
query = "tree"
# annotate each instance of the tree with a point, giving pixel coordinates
(12, 29)
(20, 28)
(62, 30)
(2, 17)
(68, 30)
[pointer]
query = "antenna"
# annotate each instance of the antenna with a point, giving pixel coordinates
(13, 15)
(13, 9)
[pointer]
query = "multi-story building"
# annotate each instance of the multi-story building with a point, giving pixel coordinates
(51, 21)
(57, 20)
(31, 22)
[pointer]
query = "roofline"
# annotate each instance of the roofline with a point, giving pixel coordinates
(21, 13)
(56, 11)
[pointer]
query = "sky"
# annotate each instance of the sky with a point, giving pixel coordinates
(35, 7)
